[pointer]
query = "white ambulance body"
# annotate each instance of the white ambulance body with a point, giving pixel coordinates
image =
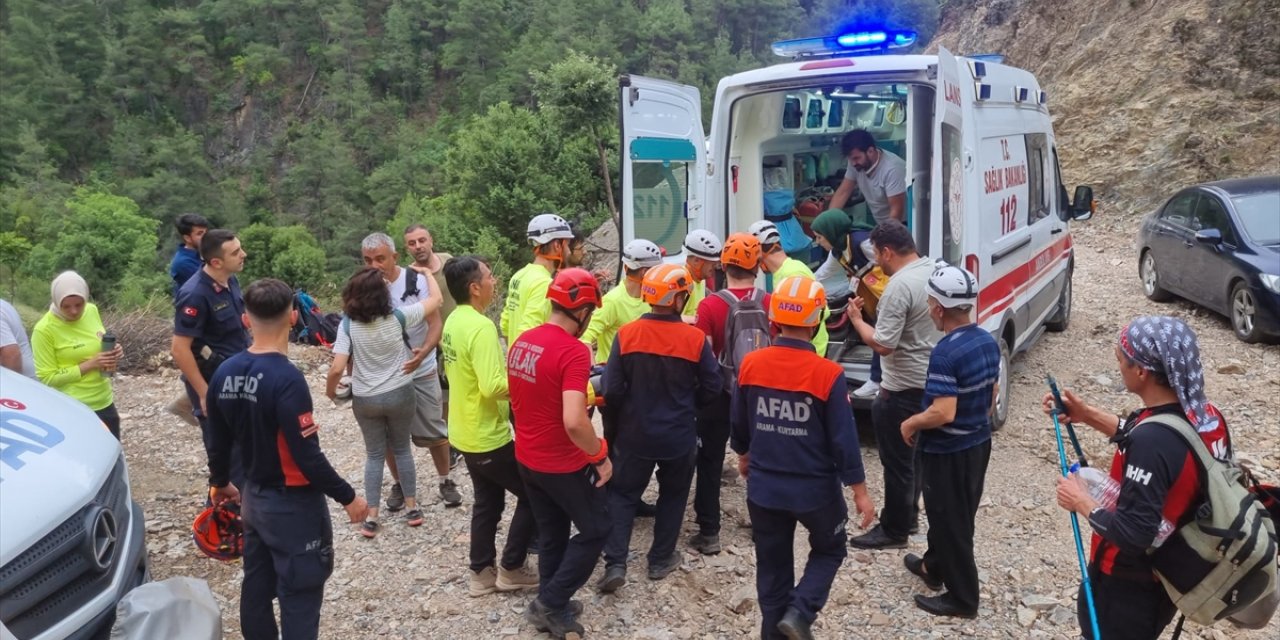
(983, 186)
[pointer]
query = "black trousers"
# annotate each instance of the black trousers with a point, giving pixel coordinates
(558, 500)
(110, 417)
(952, 490)
(288, 556)
(774, 532)
(713, 436)
(1129, 609)
(630, 477)
(899, 460)
(493, 475)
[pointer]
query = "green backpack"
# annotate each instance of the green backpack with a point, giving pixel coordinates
(1222, 562)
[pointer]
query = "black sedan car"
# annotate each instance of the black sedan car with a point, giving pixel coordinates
(1218, 245)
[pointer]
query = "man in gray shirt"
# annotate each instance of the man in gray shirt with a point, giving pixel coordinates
(879, 175)
(904, 337)
(15, 348)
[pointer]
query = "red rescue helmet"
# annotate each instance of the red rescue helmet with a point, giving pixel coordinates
(574, 288)
(219, 532)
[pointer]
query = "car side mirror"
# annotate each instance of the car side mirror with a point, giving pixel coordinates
(1210, 237)
(1083, 207)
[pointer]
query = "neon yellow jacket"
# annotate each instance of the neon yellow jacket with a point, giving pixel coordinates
(616, 309)
(60, 346)
(477, 372)
(793, 267)
(696, 294)
(527, 305)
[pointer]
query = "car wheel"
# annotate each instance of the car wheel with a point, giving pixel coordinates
(1244, 313)
(1000, 411)
(1151, 278)
(1060, 320)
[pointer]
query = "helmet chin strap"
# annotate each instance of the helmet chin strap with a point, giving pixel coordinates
(581, 323)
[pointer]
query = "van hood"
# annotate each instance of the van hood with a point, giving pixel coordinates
(54, 457)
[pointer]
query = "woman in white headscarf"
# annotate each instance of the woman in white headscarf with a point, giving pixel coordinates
(67, 343)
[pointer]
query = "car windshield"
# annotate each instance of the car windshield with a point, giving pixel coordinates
(1260, 217)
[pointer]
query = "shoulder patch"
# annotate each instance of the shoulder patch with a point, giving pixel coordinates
(308, 425)
(190, 311)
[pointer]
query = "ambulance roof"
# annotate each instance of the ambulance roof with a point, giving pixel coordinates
(873, 64)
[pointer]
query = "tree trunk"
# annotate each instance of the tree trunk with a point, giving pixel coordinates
(608, 181)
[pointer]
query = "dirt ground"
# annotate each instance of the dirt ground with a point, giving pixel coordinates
(411, 583)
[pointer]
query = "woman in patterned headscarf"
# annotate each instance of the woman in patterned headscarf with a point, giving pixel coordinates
(1159, 478)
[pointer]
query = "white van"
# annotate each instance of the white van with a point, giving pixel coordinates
(983, 191)
(72, 540)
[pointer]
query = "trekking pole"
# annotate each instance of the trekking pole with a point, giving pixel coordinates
(1071, 430)
(1075, 521)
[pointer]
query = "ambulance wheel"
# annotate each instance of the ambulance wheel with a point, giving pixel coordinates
(1151, 278)
(1060, 320)
(1000, 412)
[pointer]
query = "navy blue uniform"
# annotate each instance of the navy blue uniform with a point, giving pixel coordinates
(262, 403)
(953, 458)
(660, 371)
(791, 416)
(185, 263)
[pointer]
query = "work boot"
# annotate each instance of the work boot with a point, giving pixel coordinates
(663, 568)
(395, 501)
(615, 576)
(707, 545)
(449, 493)
(521, 577)
(794, 626)
(557, 623)
(483, 582)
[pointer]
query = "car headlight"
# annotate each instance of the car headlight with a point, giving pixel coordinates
(1271, 282)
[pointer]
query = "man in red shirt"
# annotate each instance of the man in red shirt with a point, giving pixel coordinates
(741, 261)
(563, 463)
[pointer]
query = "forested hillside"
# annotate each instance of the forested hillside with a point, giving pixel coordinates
(308, 123)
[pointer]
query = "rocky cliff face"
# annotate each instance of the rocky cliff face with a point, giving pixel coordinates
(1146, 95)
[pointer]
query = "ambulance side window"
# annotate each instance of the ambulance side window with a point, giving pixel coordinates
(660, 197)
(952, 196)
(1038, 205)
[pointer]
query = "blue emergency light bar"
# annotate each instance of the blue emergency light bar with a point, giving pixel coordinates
(845, 44)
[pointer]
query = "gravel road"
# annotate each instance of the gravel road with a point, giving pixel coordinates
(411, 583)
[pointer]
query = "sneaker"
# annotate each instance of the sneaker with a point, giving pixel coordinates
(455, 457)
(522, 577)
(664, 568)
(646, 510)
(615, 577)
(413, 518)
(449, 493)
(915, 564)
(369, 529)
(794, 626)
(483, 582)
(181, 407)
(395, 501)
(707, 545)
(876, 538)
(869, 389)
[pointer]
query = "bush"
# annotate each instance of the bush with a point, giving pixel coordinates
(145, 332)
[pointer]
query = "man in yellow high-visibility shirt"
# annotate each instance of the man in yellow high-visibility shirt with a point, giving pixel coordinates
(775, 261)
(478, 427)
(623, 303)
(702, 259)
(527, 305)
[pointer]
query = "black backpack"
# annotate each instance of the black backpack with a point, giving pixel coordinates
(313, 326)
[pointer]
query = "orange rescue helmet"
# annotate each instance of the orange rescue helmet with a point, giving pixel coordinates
(219, 532)
(741, 250)
(663, 283)
(797, 301)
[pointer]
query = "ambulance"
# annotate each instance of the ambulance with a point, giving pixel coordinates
(984, 190)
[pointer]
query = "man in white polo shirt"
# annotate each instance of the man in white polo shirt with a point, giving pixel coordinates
(879, 175)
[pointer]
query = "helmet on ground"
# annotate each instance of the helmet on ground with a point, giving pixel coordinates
(741, 250)
(574, 288)
(219, 532)
(703, 244)
(766, 232)
(953, 287)
(640, 254)
(546, 227)
(797, 301)
(663, 283)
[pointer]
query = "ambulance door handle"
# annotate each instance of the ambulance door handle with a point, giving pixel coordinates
(1057, 231)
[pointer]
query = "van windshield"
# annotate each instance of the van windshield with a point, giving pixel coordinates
(786, 156)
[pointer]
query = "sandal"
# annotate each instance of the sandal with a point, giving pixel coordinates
(413, 518)
(369, 529)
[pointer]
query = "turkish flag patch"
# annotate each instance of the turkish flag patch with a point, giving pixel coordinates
(308, 425)
(189, 311)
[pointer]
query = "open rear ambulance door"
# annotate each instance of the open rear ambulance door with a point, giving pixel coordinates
(664, 162)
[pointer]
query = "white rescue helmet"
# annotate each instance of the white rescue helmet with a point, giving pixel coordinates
(703, 244)
(548, 227)
(953, 287)
(641, 254)
(766, 232)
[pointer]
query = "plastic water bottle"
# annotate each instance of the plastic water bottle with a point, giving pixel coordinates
(1104, 490)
